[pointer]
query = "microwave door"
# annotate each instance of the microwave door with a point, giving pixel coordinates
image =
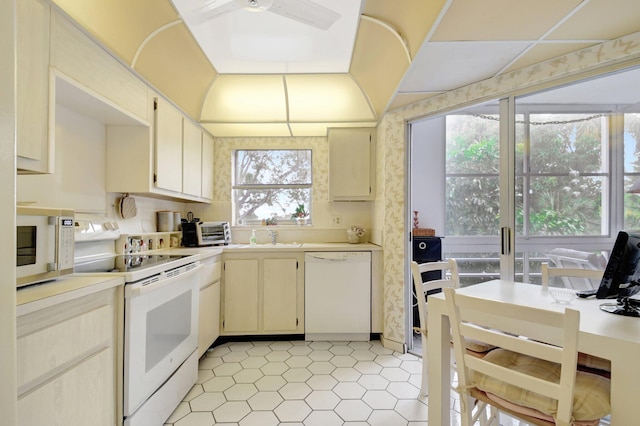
(35, 238)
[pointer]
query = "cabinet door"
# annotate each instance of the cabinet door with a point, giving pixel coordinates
(83, 395)
(350, 164)
(240, 295)
(209, 320)
(192, 158)
(168, 146)
(67, 357)
(207, 166)
(280, 294)
(33, 30)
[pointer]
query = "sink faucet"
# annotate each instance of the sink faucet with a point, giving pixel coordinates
(274, 236)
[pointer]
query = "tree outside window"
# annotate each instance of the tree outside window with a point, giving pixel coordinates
(270, 184)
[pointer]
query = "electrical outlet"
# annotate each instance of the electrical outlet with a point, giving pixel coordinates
(337, 219)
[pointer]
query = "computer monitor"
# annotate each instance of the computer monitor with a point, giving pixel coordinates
(621, 278)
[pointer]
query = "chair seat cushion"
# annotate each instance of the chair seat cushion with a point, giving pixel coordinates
(591, 399)
(535, 413)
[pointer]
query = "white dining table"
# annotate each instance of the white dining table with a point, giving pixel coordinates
(602, 334)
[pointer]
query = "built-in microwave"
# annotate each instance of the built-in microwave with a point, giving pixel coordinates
(44, 244)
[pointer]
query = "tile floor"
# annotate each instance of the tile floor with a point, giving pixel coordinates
(304, 383)
(264, 383)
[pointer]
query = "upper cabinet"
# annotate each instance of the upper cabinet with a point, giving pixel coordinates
(207, 166)
(34, 153)
(168, 146)
(351, 164)
(167, 162)
(191, 158)
(86, 62)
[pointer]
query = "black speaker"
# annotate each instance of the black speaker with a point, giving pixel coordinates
(426, 249)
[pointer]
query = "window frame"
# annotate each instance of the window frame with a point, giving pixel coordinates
(261, 221)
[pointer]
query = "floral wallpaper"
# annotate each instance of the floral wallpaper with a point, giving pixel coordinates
(390, 207)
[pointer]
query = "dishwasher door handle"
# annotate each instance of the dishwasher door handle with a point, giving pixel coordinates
(328, 259)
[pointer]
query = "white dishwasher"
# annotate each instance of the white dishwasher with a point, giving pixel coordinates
(337, 296)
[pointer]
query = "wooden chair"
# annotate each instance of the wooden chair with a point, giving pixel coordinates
(532, 374)
(449, 278)
(585, 362)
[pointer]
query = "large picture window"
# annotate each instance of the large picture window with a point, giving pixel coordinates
(269, 185)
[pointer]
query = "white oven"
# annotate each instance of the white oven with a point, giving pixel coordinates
(160, 357)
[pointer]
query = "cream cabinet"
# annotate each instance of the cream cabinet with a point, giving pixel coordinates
(168, 146)
(82, 59)
(34, 152)
(263, 293)
(209, 313)
(67, 362)
(165, 161)
(191, 158)
(207, 166)
(351, 164)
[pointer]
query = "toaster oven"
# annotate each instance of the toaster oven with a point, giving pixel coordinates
(199, 234)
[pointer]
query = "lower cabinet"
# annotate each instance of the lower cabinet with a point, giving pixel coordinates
(263, 294)
(67, 358)
(209, 311)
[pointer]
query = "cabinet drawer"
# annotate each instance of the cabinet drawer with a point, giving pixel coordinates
(55, 339)
(82, 396)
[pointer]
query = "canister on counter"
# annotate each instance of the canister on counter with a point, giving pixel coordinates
(165, 221)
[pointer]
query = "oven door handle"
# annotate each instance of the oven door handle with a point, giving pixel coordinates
(135, 290)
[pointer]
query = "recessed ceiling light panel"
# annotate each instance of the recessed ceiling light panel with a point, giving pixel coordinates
(285, 36)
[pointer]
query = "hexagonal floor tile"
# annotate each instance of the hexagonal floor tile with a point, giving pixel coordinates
(196, 419)
(394, 374)
(368, 367)
(380, 400)
(322, 400)
(343, 361)
(412, 367)
(208, 401)
(298, 375)
(373, 382)
(321, 355)
(323, 418)
(270, 383)
(274, 368)
(248, 375)
(298, 361)
(347, 374)
(227, 369)
(349, 390)
(411, 409)
(259, 351)
(322, 382)
(386, 418)
(280, 346)
(278, 356)
(265, 401)
(321, 367)
(295, 391)
(260, 418)
(403, 390)
(254, 362)
(353, 410)
(235, 356)
(218, 384)
(292, 411)
(240, 392)
(300, 350)
(341, 350)
(232, 411)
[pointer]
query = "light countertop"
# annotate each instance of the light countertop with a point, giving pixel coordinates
(38, 296)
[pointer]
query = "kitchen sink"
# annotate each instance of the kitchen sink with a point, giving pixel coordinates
(269, 245)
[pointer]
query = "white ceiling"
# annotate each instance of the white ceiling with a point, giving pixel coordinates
(474, 41)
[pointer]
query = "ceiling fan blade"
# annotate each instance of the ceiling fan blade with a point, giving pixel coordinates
(305, 11)
(211, 9)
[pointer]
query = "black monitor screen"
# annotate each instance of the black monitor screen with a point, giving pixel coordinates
(622, 276)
